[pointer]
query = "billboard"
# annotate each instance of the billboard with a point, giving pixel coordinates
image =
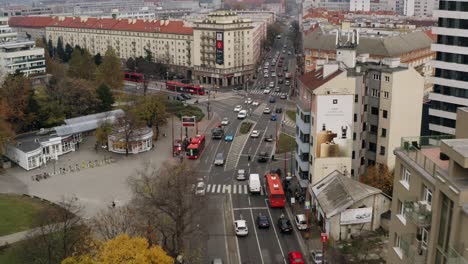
(334, 115)
(219, 48)
(189, 121)
(356, 216)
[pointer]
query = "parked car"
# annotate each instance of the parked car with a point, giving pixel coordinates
(301, 222)
(186, 96)
(284, 225)
(262, 221)
(316, 256)
(273, 74)
(277, 89)
(255, 134)
(229, 137)
(200, 189)
(240, 227)
(269, 138)
(271, 84)
(263, 157)
(265, 75)
(280, 81)
(225, 121)
(287, 82)
(295, 257)
(272, 100)
(241, 175)
(219, 159)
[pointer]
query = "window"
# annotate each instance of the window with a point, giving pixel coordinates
(427, 196)
(363, 144)
(385, 95)
(384, 132)
(373, 129)
(375, 93)
(365, 108)
(387, 78)
(374, 110)
(364, 126)
(356, 98)
(372, 146)
(354, 136)
(382, 150)
(355, 117)
(424, 237)
(397, 246)
(362, 160)
(401, 212)
(376, 76)
(353, 154)
(405, 177)
(385, 114)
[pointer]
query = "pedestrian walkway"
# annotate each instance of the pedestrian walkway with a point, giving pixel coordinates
(288, 122)
(23, 235)
(228, 189)
(261, 92)
(234, 152)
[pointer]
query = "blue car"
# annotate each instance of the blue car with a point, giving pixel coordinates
(229, 137)
(273, 117)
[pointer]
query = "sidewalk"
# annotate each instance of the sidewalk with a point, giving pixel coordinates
(19, 236)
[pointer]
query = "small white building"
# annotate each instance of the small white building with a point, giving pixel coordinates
(140, 140)
(19, 55)
(345, 207)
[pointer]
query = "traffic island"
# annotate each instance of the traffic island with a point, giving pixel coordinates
(245, 127)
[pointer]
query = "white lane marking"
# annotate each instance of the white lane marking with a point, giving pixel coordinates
(245, 189)
(227, 188)
(219, 188)
(225, 237)
(248, 208)
(237, 238)
(208, 187)
(276, 233)
(234, 189)
(248, 198)
(256, 236)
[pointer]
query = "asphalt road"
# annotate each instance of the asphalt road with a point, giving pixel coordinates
(228, 199)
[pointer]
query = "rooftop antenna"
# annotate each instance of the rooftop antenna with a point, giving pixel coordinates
(357, 37)
(352, 39)
(336, 40)
(348, 36)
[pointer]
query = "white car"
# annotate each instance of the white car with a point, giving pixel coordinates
(266, 91)
(255, 134)
(241, 175)
(267, 110)
(225, 121)
(273, 74)
(271, 84)
(237, 108)
(248, 101)
(266, 75)
(242, 114)
(316, 256)
(255, 103)
(301, 222)
(200, 189)
(241, 228)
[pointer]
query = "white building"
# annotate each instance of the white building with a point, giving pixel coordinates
(408, 7)
(359, 5)
(19, 55)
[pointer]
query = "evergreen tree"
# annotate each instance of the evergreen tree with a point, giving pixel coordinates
(98, 59)
(110, 71)
(60, 49)
(81, 65)
(50, 48)
(105, 97)
(68, 52)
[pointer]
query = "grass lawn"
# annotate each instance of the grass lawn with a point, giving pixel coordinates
(17, 213)
(245, 127)
(286, 143)
(291, 114)
(178, 108)
(9, 255)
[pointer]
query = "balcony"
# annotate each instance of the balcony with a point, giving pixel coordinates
(413, 249)
(425, 151)
(418, 213)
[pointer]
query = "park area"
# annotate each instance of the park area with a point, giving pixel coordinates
(286, 143)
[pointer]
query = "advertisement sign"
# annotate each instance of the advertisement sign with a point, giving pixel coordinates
(334, 126)
(356, 216)
(323, 237)
(219, 48)
(188, 121)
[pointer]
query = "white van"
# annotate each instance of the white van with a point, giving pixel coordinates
(254, 183)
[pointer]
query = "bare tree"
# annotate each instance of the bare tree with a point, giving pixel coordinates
(165, 198)
(112, 222)
(127, 126)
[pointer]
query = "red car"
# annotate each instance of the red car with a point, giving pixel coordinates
(295, 257)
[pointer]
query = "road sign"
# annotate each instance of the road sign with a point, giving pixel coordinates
(307, 205)
(323, 237)
(189, 121)
(293, 200)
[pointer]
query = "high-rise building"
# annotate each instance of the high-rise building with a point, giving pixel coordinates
(451, 66)
(429, 221)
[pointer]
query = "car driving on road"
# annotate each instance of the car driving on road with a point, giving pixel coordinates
(262, 221)
(229, 138)
(240, 227)
(248, 101)
(237, 108)
(225, 121)
(284, 225)
(200, 189)
(255, 103)
(255, 134)
(219, 159)
(242, 114)
(267, 110)
(266, 91)
(241, 175)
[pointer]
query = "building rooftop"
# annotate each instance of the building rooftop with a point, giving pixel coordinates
(338, 192)
(135, 25)
(315, 79)
(386, 46)
(31, 141)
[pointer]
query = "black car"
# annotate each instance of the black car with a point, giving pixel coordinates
(276, 170)
(186, 96)
(279, 110)
(238, 88)
(280, 81)
(262, 157)
(263, 222)
(269, 138)
(284, 225)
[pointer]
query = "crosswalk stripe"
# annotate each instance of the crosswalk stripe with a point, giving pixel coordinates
(219, 189)
(234, 189)
(208, 187)
(245, 189)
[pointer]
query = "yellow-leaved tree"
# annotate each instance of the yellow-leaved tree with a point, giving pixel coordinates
(123, 250)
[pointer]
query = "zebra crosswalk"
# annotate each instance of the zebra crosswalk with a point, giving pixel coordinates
(261, 92)
(227, 189)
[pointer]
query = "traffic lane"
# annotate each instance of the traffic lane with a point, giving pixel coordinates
(249, 248)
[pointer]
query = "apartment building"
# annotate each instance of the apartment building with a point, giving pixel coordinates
(451, 66)
(357, 110)
(224, 49)
(17, 55)
(429, 222)
(359, 5)
(413, 49)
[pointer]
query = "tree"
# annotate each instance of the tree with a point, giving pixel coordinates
(380, 177)
(68, 52)
(152, 110)
(61, 50)
(102, 133)
(110, 71)
(81, 65)
(130, 64)
(127, 126)
(77, 97)
(165, 198)
(124, 250)
(6, 133)
(112, 222)
(149, 55)
(50, 48)
(60, 234)
(14, 95)
(105, 97)
(98, 59)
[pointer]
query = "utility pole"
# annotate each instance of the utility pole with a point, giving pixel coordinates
(172, 136)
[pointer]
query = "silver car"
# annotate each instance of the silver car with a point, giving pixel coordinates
(241, 175)
(219, 159)
(200, 189)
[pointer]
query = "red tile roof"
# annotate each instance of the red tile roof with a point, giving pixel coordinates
(313, 80)
(137, 25)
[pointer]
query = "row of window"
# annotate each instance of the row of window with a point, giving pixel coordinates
(453, 5)
(452, 57)
(452, 91)
(376, 93)
(453, 23)
(377, 76)
(452, 40)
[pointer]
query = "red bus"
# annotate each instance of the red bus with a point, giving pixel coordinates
(196, 146)
(275, 190)
(184, 88)
(134, 77)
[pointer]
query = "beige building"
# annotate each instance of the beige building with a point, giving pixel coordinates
(223, 49)
(429, 222)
